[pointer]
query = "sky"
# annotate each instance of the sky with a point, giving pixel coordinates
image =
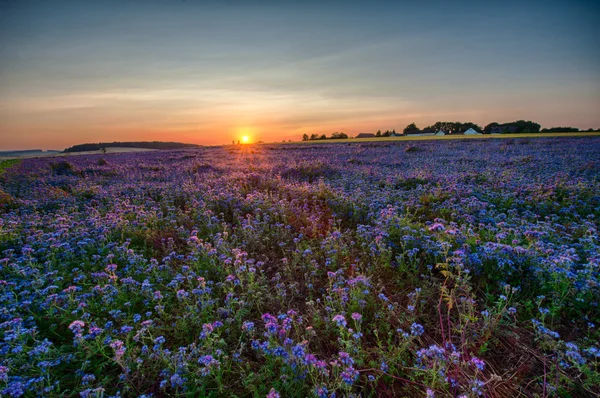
(209, 72)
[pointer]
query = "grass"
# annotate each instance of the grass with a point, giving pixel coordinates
(5, 164)
(451, 137)
(69, 154)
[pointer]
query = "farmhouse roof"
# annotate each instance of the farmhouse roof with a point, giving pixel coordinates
(470, 131)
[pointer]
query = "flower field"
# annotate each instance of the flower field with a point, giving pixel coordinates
(424, 268)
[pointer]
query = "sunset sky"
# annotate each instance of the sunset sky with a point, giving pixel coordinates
(208, 72)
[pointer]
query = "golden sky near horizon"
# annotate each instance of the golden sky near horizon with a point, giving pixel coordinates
(212, 72)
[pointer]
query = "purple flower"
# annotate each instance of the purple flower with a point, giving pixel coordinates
(436, 227)
(77, 328)
(345, 358)
(349, 375)
(340, 320)
(479, 364)
(416, 329)
(248, 326)
(3, 373)
(119, 348)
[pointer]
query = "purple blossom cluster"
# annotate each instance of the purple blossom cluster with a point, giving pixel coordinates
(304, 270)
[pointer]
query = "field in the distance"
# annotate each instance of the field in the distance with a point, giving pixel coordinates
(452, 137)
(63, 154)
(439, 268)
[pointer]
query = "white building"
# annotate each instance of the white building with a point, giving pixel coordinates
(471, 132)
(441, 132)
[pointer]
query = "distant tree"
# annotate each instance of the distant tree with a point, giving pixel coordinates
(411, 129)
(527, 126)
(323, 137)
(132, 144)
(314, 137)
(238, 142)
(386, 133)
(338, 136)
(378, 133)
(490, 128)
(516, 127)
(305, 137)
(394, 131)
(560, 130)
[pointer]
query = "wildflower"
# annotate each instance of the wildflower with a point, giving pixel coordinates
(476, 386)
(345, 358)
(209, 363)
(77, 328)
(3, 373)
(349, 375)
(416, 329)
(479, 364)
(182, 294)
(340, 320)
(177, 380)
(437, 227)
(273, 394)
(298, 351)
(322, 392)
(126, 329)
(248, 326)
(119, 348)
(384, 366)
(87, 379)
(356, 316)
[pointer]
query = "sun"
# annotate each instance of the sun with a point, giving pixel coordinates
(245, 139)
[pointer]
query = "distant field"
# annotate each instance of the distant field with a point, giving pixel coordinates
(451, 137)
(48, 155)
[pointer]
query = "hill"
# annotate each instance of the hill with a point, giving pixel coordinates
(133, 144)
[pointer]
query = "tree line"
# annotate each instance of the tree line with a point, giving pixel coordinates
(334, 136)
(516, 127)
(132, 144)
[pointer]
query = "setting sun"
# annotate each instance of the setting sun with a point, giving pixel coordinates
(245, 139)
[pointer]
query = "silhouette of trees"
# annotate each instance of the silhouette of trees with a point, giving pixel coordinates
(334, 136)
(132, 144)
(452, 127)
(560, 130)
(411, 129)
(519, 126)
